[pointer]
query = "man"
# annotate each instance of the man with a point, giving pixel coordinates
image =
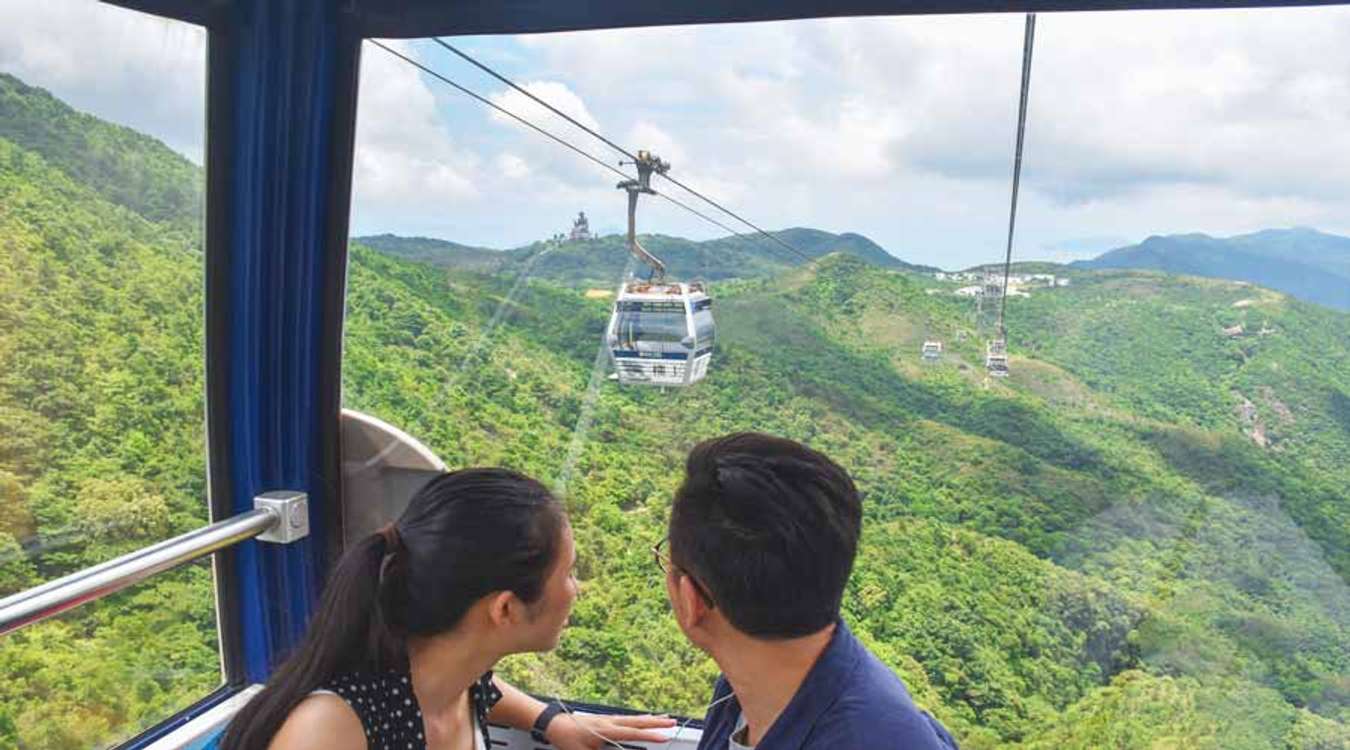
(762, 539)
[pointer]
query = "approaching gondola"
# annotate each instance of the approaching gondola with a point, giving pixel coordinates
(996, 357)
(661, 332)
(932, 351)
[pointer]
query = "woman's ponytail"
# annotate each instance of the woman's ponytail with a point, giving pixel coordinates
(392, 590)
(350, 632)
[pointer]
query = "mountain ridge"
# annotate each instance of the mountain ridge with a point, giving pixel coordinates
(127, 167)
(1301, 262)
(601, 260)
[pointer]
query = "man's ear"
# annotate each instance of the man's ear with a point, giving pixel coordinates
(692, 603)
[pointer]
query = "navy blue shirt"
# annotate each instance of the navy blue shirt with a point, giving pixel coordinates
(848, 701)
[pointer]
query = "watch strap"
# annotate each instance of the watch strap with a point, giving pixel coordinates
(545, 718)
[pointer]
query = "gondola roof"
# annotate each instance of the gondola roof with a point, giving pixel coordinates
(420, 18)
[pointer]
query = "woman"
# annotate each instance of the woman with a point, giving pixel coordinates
(415, 616)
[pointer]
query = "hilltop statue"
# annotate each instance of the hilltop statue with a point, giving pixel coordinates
(581, 229)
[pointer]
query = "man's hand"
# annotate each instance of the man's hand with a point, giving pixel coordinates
(590, 731)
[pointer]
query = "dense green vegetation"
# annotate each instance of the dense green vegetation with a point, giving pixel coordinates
(101, 440)
(437, 252)
(127, 168)
(1282, 382)
(1194, 566)
(1138, 540)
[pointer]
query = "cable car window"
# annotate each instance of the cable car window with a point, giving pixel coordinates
(102, 434)
(704, 329)
(652, 321)
(1104, 457)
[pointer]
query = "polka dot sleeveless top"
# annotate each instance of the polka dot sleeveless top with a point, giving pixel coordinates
(389, 711)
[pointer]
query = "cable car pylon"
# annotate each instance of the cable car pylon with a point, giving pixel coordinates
(647, 164)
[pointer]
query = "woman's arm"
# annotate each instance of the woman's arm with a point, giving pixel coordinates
(515, 709)
(571, 732)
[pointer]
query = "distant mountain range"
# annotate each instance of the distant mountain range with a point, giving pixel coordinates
(602, 260)
(1304, 263)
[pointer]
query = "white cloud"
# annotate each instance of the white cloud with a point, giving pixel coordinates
(552, 167)
(418, 169)
(901, 129)
(408, 169)
(555, 93)
(135, 69)
(647, 135)
(1254, 101)
(513, 167)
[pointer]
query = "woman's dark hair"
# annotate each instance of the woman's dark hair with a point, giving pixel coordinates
(464, 535)
(770, 528)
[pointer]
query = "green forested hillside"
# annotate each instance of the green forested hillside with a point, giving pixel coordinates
(1273, 392)
(599, 262)
(1136, 541)
(1190, 560)
(101, 437)
(127, 168)
(437, 252)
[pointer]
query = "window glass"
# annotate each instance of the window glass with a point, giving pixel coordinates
(101, 363)
(704, 329)
(651, 321)
(1137, 537)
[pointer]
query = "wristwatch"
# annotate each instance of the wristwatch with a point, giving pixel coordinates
(545, 718)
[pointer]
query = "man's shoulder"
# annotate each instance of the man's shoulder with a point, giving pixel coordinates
(872, 681)
(855, 724)
(873, 704)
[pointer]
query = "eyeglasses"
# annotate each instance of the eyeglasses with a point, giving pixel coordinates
(663, 562)
(661, 556)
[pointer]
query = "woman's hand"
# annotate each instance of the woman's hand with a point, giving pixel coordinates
(590, 731)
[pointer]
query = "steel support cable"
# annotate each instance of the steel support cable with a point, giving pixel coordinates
(499, 108)
(737, 217)
(1028, 41)
(631, 156)
(707, 218)
(557, 139)
(474, 62)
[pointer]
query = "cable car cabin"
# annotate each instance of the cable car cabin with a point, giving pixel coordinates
(661, 333)
(996, 358)
(932, 351)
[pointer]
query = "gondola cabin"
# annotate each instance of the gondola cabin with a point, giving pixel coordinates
(996, 358)
(932, 351)
(661, 333)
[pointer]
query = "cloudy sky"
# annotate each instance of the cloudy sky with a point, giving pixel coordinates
(901, 129)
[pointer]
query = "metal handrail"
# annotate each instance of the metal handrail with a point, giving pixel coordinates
(52, 598)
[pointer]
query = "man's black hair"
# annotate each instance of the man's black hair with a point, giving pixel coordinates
(770, 528)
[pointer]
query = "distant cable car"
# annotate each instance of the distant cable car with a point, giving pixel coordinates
(932, 351)
(661, 332)
(996, 358)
